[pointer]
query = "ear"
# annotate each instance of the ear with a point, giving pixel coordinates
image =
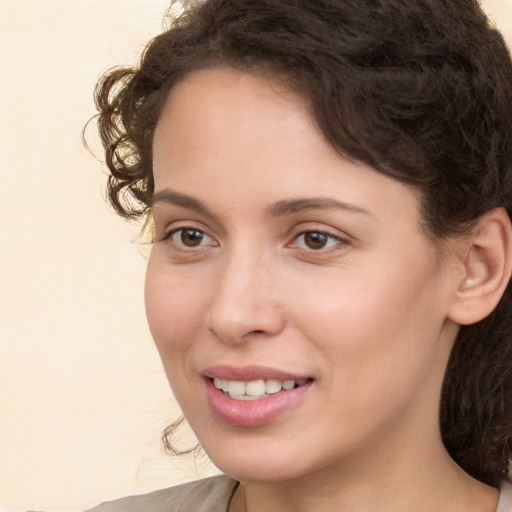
(486, 266)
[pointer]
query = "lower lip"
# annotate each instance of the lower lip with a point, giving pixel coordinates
(252, 413)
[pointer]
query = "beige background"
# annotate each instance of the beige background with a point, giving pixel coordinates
(83, 398)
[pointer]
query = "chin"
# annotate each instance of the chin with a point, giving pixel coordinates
(257, 471)
(257, 460)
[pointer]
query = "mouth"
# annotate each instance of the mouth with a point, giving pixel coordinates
(253, 396)
(256, 389)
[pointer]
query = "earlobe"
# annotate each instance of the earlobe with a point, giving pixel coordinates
(487, 263)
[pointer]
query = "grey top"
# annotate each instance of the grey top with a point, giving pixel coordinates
(208, 495)
(505, 504)
(213, 495)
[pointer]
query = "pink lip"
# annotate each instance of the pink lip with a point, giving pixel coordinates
(249, 373)
(252, 413)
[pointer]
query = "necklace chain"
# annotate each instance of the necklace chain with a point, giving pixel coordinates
(245, 502)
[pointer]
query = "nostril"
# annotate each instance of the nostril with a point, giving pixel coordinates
(235, 321)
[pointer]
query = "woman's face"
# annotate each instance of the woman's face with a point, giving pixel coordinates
(280, 263)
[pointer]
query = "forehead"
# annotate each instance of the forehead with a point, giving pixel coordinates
(230, 101)
(237, 137)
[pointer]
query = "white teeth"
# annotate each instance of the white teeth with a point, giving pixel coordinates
(245, 397)
(221, 384)
(240, 390)
(272, 386)
(288, 384)
(255, 388)
(236, 387)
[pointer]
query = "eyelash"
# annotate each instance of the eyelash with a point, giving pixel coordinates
(171, 234)
(332, 242)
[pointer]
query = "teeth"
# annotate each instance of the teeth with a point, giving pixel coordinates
(272, 386)
(236, 388)
(221, 384)
(255, 388)
(239, 390)
(288, 384)
(244, 397)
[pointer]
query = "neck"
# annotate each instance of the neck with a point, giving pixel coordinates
(369, 484)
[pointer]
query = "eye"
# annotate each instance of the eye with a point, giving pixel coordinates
(190, 237)
(316, 240)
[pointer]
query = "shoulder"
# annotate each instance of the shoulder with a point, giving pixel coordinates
(505, 504)
(207, 495)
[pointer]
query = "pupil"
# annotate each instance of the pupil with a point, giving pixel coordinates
(191, 237)
(315, 240)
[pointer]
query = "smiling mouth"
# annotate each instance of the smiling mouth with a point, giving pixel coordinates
(256, 389)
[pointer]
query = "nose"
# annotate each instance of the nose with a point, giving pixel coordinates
(244, 304)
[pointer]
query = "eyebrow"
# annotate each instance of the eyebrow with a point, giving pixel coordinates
(291, 206)
(183, 200)
(277, 209)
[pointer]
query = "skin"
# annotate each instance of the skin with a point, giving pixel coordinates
(366, 316)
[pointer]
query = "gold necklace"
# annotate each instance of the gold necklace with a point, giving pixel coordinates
(234, 500)
(245, 503)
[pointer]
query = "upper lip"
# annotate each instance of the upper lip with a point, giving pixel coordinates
(249, 373)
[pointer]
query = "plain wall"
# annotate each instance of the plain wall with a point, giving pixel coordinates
(83, 398)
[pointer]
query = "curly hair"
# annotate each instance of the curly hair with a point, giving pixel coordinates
(421, 91)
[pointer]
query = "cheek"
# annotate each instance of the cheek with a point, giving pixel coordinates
(173, 308)
(374, 328)
(379, 350)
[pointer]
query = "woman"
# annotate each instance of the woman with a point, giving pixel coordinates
(329, 184)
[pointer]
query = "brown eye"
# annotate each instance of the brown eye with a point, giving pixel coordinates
(190, 237)
(317, 240)
(314, 240)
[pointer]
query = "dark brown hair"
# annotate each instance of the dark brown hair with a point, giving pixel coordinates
(420, 90)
